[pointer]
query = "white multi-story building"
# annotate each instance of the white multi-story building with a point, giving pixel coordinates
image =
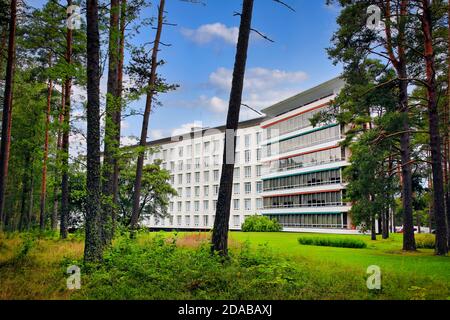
(195, 162)
(285, 169)
(303, 185)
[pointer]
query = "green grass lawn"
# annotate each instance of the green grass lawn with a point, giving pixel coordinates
(386, 254)
(179, 266)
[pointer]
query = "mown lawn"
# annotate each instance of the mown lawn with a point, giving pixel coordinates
(179, 266)
(386, 254)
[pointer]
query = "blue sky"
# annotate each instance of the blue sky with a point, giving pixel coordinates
(202, 52)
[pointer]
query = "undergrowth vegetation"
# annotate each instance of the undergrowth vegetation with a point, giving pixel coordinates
(180, 266)
(261, 224)
(338, 242)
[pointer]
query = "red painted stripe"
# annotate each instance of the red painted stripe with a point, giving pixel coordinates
(301, 193)
(295, 115)
(305, 153)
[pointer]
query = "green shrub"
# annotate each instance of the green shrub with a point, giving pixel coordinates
(425, 241)
(338, 242)
(261, 224)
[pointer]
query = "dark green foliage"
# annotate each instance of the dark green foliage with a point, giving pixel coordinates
(261, 224)
(332, 242)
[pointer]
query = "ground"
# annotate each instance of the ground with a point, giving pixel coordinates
(263, 266)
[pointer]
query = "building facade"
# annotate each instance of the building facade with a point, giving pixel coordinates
(303, 187)
(195, 162)
(285, 169)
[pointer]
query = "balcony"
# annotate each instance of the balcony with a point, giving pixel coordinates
(311, 184)
(304, 165)
(306, 205)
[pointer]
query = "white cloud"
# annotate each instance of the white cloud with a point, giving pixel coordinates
(262, 88)
(186, 128)
(209, 32)
(156, 134)
(128, 141)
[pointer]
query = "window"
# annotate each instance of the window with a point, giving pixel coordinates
(198, 147)
(188, 206)
(188, 192)
(189, 150)
(196, 220)
(197, 177)
(197, 192)
(197, 206)
(216, 146)
(248, 204)
(216, 161)
(258, 138)
(179, 220)
(205, 221)
(187, 220)
(188, 177)
(206, 147)
(259, 204)
(180, 165)
(172, 151)
(197, 163)
(258, 154)
(214, 204)
(247, 140)
(172, 179)
(188, 164)
(248, 187)
(236, 203)
(172, 165)
(236, 188)
(236, 221)
(236, 173)
(248, 172)
(216, 190)
(180, 152)
(180, 179)
(165, 154)
(206, 205)
(180, 206)
(206, 191)
(206, 176)
(258, 171)
(180, 192)
(171, 207)
(248, 156)
(216, 175)
(259, 187)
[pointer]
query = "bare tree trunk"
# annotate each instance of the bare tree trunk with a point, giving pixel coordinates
(58, 160)
(111, 126)
(7, 108)
(45, 157)
(148, 108)
(93, 250)
(221, 223)
(118, 114)
(65, 140)
(435, 138)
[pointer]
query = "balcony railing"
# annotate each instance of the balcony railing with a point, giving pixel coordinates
(307, 145)
(306, 205)
(297, 186)
(305, 165)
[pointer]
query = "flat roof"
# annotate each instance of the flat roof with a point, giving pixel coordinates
(306, 97)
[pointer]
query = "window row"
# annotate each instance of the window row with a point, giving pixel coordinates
(293, 124)
(304, 180)
(308, 160)
(304, 141)
(305, 200)
(327, 221)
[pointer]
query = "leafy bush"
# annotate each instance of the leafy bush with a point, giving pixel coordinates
(425, 241)
(339, 242)
(261, 224)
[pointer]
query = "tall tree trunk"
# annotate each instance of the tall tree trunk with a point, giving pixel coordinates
(31, 197)
(65, 140)
(148, 108)
(7, 108)
(221, 223)
(54, 219)
(23, 220)
(111, 127)
(400, 65)
(435, 138)
(45, 157)
(118, 114)
(93, 250)
(4, 37)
